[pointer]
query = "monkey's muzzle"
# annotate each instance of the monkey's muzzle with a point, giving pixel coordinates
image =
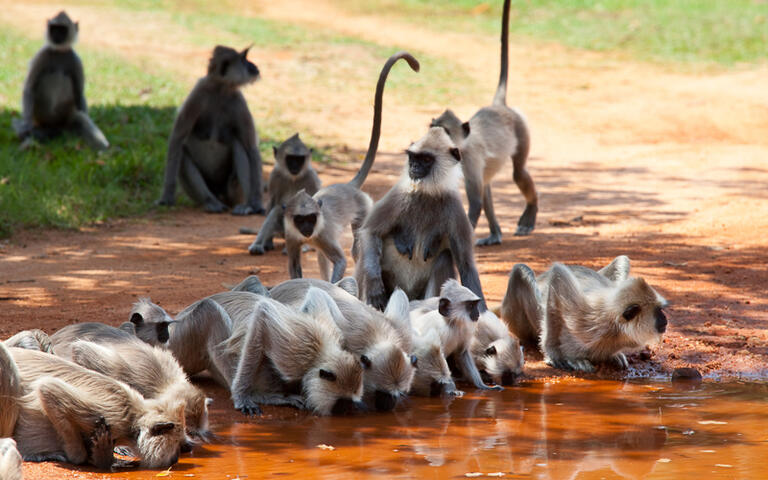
(294, 163)
(508, 377)
(384, 401)
(305, 224)
(347, 406)
(437, 388)
(661, 321)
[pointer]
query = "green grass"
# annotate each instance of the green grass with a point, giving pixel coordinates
(723, 32)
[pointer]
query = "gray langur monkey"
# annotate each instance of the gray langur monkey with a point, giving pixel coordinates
(31, 340)
(10, 460)
(578, 316)
(489, 139)
(454, 322)
(149, 322)
(214, 147)
(60, 411)
(292, 172)
(54, 97)
(319, 220)
(498, 355)
(152, 371)
(368, 334)
(418, 234)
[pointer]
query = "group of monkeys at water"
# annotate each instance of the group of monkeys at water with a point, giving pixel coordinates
(401, 325)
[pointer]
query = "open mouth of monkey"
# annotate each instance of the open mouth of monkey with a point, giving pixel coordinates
(294, 163)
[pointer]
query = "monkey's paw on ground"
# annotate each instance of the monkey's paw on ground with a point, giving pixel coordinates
(248, 407)
(493, 239)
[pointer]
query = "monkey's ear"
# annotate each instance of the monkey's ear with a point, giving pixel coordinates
(397, 306)
(161, 428)
(445, 307)
(137, 319)
(465, 129)
(491, 350)
(365, 361)
(455, 153)
(414, 361)
(631, 312)
(320, 203)
(326, 375)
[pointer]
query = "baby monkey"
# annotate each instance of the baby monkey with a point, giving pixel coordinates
(54, 98)
(579, 316)
(454, 321)
(319, 220)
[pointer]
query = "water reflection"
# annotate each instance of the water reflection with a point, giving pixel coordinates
(560, 430)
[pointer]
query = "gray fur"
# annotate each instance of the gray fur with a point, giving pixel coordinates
(31, 340)
(577, 316)
(10, 460)
(487, 141)
(54, 98)
(251, 284)
(214, 147)
(284, 181)
(367, 332)
(418, 235)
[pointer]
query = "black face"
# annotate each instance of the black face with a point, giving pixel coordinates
(420, 164)
(345, 406)
(385, 401)
(485, 377)
(163, 334)
(294, 163)
(508, 377)
(473, 310)
(305, 224)
(661, 320)
(58, 33)
(436, 388)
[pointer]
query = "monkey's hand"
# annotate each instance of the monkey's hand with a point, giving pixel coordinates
(248, 406)
(376, 295)
(101, 445)
(621, 361)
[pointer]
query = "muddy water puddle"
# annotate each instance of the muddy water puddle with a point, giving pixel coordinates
(563, 429)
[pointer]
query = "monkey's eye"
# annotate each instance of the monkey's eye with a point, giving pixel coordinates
(326, 375)
(631, 312)
(414, 361)
(365, 361)
(162, 428)
(491, 350)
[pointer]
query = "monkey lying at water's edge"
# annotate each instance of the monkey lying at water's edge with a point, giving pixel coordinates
(578, 316)
(292, 172)
(60, 411)
(54, 97)
(319, 219)
(152, 371)
(418, 235)
(454, 322)
(368, 334)
(214, 148)
(487, 141)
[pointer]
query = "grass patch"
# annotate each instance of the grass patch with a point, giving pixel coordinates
(725, 32)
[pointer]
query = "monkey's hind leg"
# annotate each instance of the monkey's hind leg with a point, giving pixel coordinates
(89, 131)
(524, 181)
(194, 184)
(495, 237)
(443, 269)
(520, 306)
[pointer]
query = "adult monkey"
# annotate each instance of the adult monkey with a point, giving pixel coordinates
(418, 235)
(54, 98)
(214, 147)
(493, 135)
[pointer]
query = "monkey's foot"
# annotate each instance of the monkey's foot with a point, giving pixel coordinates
(256, 249)
(248, 407)
(214, 206)
(101, 446)
(558, 363)
(527, 220)
(243, 209)
(165, 202)
(582, 364)
(492, 239)
(621, 361)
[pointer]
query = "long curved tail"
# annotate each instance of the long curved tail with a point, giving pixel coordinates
(500, 98)
(370, 155)
(10, 392)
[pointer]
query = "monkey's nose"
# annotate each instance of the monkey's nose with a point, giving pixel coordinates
(436, 388)
(508, 377)
(385, 401)
(186, 446)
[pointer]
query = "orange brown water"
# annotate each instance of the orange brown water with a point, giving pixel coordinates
(563, 429)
